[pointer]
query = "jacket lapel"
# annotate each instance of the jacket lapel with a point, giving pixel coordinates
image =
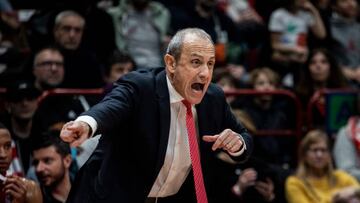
(164, 112)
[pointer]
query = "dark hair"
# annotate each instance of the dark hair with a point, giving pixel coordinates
(118, 57)
(2, 126)
(51, 138)
(336, 79)
(51, 48)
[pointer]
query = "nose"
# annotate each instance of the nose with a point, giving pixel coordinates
(204, 72)
(40, 167)
(2, 152)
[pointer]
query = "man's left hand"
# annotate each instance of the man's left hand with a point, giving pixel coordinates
(228, 140)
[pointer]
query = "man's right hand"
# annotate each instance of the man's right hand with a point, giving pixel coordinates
(75, 132)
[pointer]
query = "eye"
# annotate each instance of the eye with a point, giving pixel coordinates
(7, 146)
(211, 64)
(47, 160)
(196, 62)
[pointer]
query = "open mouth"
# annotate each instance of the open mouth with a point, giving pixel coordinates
(198, 86)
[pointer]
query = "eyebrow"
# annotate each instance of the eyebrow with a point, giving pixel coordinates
(198, 55)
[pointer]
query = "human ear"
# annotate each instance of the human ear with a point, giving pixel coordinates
(169, 63)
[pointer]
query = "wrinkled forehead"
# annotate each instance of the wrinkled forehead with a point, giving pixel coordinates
(194, 45)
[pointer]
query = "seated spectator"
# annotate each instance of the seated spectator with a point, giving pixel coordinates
(270, 112)
(289, 27)
(118, 65)
(347, 146)
(141, 29)
(14, 188)
(321, 71)
(315, 179)
(48, 68)
(54, 111)
(21, 105)
(227, 82)
(346, 33)
(52, 160)
(68, 31)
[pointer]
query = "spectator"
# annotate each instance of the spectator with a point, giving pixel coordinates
(68, 31)
(346, 33)
(268, 112)
(48, 68)
(289, 27)
(321, 71)
(14, 188)
(315, 179)
(227, 82)
(21, 105)
(118, 65)
(141, 29)
(52, 160)
(55, 110)
(346, 147)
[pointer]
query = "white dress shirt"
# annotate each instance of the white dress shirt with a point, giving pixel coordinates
(177, 162)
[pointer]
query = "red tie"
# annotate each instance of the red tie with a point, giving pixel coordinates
(195, 156)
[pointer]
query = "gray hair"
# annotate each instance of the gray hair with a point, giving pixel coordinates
(175, 45)
(63, 14)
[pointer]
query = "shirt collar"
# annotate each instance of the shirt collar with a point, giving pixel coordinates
(174, 95)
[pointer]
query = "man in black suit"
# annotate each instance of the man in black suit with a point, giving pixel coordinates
(143, 155)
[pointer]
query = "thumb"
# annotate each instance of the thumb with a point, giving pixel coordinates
(210, 138)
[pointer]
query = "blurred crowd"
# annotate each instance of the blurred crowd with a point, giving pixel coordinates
(270, 48)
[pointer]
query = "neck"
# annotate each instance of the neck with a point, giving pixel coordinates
(21, 127)
(313, 173)
(62, 189)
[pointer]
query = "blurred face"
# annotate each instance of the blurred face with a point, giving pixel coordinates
(227, 85)
(318, 156)
(24, 108)
(50, 167)
(346, 8)
(119, 69)
(68, 32)
(5, 150)
(49, 68)
(192, 74)
(319, 67)
(263, 83)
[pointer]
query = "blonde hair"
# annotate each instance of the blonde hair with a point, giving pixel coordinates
(302, 172)
(272, 75)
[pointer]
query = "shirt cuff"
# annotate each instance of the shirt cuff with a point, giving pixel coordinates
(242, 149)
(90, 121)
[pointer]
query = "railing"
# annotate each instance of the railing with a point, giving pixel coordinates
(297, 132)
(65, 91)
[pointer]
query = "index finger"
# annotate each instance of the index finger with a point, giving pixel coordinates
(222, 136)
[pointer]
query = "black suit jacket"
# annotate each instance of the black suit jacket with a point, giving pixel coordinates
(134, 119)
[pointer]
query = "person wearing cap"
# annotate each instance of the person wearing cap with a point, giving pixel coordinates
(21, 105)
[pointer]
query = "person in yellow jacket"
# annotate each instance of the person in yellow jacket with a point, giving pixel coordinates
(315, 179)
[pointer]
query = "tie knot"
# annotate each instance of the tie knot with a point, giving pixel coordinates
(187, 104)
